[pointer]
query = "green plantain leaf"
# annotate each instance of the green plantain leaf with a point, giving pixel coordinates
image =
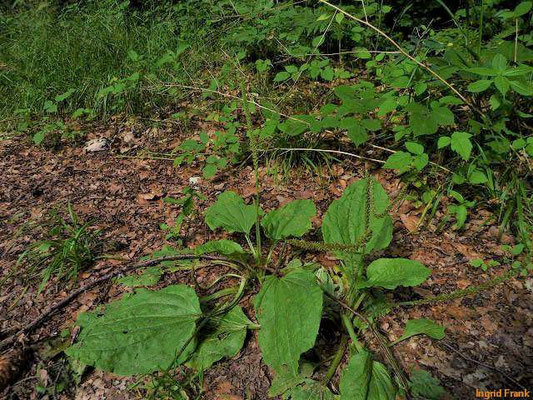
(344, 221)
(289, 310)
(390, 273)
(365, 379)
(424, 386)
(223, 246)
(230, 213)
(140, 333)
(311, 390)
(225, 341)
(293, 219)
(149, 277)
(422, 326)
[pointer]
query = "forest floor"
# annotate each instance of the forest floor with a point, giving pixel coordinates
(489, 337)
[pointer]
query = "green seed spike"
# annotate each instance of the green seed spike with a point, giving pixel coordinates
(320, 246)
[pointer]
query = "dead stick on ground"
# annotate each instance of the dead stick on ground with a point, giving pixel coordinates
(450, 347)
(52, 309)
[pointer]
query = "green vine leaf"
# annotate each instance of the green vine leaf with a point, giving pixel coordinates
(289, 310)
(225, 341)
(230, 213)
(461, 144)
(293, 219)
(389, 273)
(365, 379)
(344, 221)
(140, 333)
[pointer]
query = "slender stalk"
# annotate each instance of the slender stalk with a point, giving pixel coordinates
(336, 360)
(351, 332)
(516, 41)
(460, 293)
(480, 27)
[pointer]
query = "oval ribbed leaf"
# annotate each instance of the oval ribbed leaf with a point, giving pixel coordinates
(422, 326)
(289, 310)
(293, 219)
(389, 273)
(140, 333)
(365, 379)
(230, 213)
(225, 341)
(344, 221)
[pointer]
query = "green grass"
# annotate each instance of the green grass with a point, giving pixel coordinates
(45, 52)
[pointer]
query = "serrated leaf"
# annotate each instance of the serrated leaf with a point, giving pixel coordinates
(443, 142)
(282, 76)
(423, 385)
(522, 9)
(422, 123)
(477, 177)
(401, 160)
(461, 144)
(296, 125)
(414, 148)
(356, 132)
(230, 213)
(499, 63)
(289, 310)
(140, 333)
(365, 379)
(38, 137)
(371, 124)
(502, 84)
(479, 86)
(420, 161)
(327, 73)
(422, 326)
(387, 106)
(442, 115)
(344, 220)
(149, 277)
(225, 341)
(209, 171)
(293, 219)
(389, 273)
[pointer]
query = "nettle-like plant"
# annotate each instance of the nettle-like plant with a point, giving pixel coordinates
(157, 330)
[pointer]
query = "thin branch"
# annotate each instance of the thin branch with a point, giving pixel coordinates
(379, 337)
(56, 307)
(461, 354)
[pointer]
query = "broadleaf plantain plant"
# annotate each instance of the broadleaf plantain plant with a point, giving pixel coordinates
(156, 330)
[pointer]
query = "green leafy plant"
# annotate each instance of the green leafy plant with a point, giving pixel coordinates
(292, 300)
(187, 203)
(69, 248)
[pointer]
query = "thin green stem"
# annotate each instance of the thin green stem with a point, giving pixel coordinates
(336, 360)
(351, 332)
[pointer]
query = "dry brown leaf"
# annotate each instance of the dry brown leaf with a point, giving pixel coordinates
(410, 221)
